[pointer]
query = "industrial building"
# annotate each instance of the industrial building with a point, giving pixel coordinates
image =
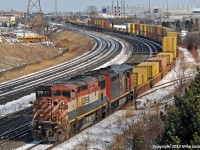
(7, 20)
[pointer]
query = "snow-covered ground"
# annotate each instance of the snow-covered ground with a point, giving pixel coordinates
(16, 105)
(119, 59)
(101, 135)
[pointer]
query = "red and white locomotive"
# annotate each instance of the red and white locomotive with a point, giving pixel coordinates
(64, 107)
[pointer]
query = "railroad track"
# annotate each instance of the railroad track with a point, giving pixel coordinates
(14, 134)
(103, 50)
(142, 49)
(15, 115)
(107, 48)
(164, 85)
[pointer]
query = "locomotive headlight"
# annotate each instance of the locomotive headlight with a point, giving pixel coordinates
(54, 116)
(41, 115)
(39, 127)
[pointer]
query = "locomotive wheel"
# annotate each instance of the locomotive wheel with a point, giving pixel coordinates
(98, 115)
(60, 136)
(104, 112)
(72, 129)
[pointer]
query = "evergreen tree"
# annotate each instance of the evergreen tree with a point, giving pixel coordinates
(182, 123)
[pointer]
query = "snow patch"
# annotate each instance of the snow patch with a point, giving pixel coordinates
(17, 105)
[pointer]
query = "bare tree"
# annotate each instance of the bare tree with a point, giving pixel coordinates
(92, 11)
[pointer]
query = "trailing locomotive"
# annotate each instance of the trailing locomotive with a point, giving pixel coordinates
(64, 107)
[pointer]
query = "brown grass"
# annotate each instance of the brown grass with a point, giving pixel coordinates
(30, 54)
(141, 135)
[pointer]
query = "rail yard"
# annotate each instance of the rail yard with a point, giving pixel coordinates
(103, 81)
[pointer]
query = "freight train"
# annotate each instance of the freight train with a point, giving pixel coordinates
(64, 107)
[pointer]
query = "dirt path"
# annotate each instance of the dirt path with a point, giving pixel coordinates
(23, 59)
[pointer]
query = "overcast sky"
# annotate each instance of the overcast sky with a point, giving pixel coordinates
(76, 5)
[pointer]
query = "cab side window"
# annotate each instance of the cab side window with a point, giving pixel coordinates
(66, 94)
(57, 93)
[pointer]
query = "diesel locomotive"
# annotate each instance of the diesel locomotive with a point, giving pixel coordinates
(64, 107)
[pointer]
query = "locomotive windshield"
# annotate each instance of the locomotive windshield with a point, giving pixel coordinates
(43, 94)
(64, 93)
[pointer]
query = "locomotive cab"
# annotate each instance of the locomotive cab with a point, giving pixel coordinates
(50, 122)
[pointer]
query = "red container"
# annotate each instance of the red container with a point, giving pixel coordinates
(137, 27)
(106, 24)
(145, 34)
(162, 62)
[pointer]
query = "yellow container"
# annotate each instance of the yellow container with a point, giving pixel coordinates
(169, 45)
(149, 29)
(141, 27)
(95, 22)
(168, 55)
(152, 68)
(78, 20)
(139, 76)
(144, 27)
(159, 31)
(128, 28)
(173, 34)
(132, 28)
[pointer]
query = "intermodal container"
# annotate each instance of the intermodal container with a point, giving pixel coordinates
(132, 28)
(141, 27)
(145, 34)
(128, 27)
(169, 57)
(159, 31)
(106, 24)
(154, 29)
(149, 29)
(172, 34)
(162, 62)
(160, 39)
(169, 45)
(137, 27)
(144, 27)
(152, 68)
(95, 22)
(139, 76)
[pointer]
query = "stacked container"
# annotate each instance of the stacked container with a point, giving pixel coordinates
(133, 28)
(139, 76)
(128, 27)
(162, 62)
(137, 29)
(152, 68)
(169, 45)
(169, 57)
(173, 34)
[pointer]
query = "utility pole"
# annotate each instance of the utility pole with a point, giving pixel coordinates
(56, 8)
(167, 10)
(34, 4)
(124, 10)
(112, 8)
(149, 11)
(121, 7)
(117, 8)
